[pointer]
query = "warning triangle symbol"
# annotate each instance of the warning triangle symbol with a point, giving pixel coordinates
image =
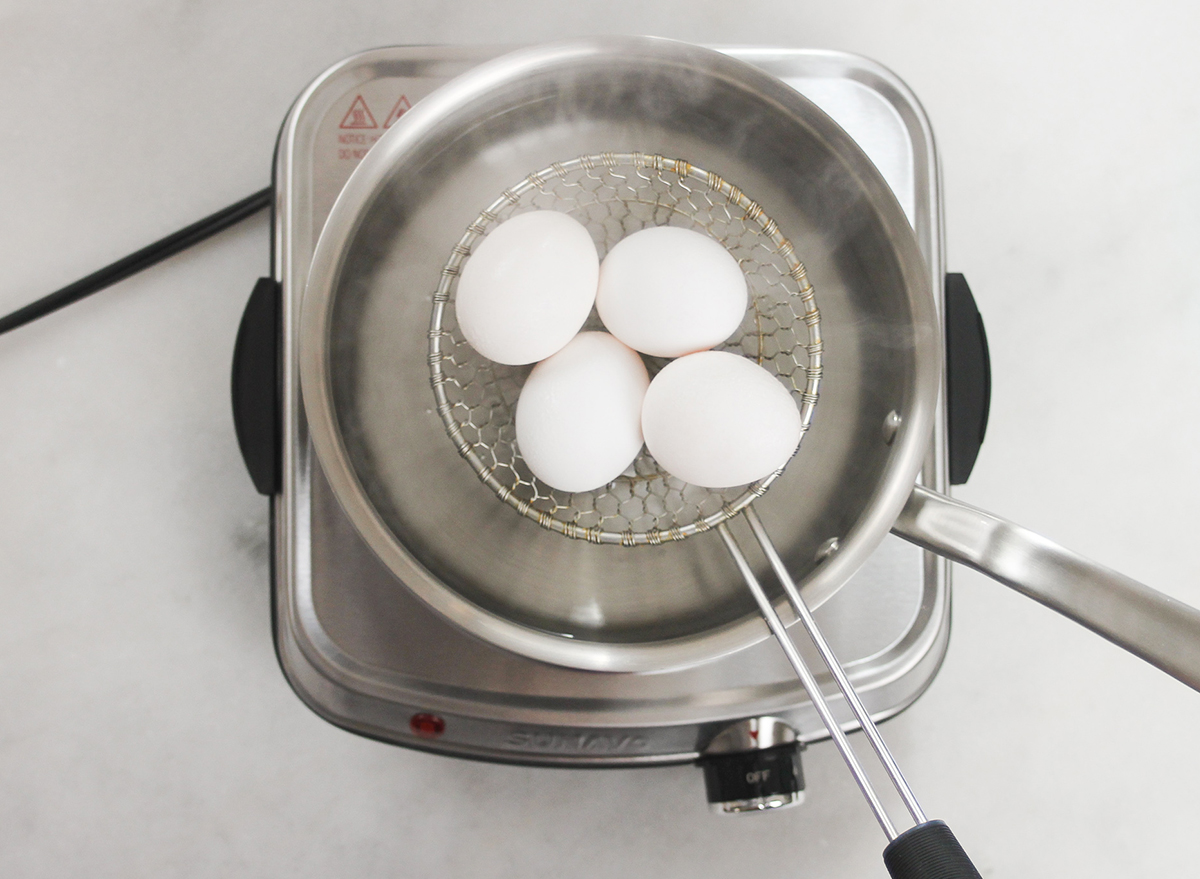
(358, 116)
(402, 106)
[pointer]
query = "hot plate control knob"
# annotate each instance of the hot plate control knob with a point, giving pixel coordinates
(753, 766)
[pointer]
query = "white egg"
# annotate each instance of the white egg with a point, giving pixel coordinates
(579, 416)
(716, 420)
(668, 291)
(527, 287)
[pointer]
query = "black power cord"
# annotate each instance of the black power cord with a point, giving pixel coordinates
(135, 262)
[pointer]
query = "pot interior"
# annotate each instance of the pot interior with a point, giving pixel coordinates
(367, 313)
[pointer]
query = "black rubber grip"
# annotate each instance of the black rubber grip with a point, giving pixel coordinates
(968, 378)
(928, 851)
(255, 385)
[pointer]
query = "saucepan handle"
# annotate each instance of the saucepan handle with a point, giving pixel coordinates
(1163, 631)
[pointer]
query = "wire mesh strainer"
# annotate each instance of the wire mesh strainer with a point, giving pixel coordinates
(614, 195)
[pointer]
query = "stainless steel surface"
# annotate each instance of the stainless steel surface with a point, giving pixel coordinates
(363, 652)
(751, 734)
(796, 600)
(614, 195)
(1160, 629)
(401, 482)
(779, 630)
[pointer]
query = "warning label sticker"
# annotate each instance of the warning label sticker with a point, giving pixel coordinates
(350, 127)
(402, 106)
(358, 130)
(359, 115)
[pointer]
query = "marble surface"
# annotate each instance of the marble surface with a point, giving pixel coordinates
(146, 729)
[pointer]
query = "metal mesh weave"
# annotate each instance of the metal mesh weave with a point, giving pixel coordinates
(615, 195)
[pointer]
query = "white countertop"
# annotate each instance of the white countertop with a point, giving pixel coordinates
(146, 728)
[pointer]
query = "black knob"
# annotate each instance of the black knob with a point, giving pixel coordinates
(753, 781)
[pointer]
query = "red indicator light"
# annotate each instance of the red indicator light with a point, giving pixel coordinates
(427, 726)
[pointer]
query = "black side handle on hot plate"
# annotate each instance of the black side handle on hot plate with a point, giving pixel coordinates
(968, 378)
(256, 386)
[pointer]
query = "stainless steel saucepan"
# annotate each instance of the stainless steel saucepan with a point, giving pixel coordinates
(364, 362)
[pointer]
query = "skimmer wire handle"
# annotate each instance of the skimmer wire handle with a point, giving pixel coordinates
(835, 668)
(928, 850)
(775, 624)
